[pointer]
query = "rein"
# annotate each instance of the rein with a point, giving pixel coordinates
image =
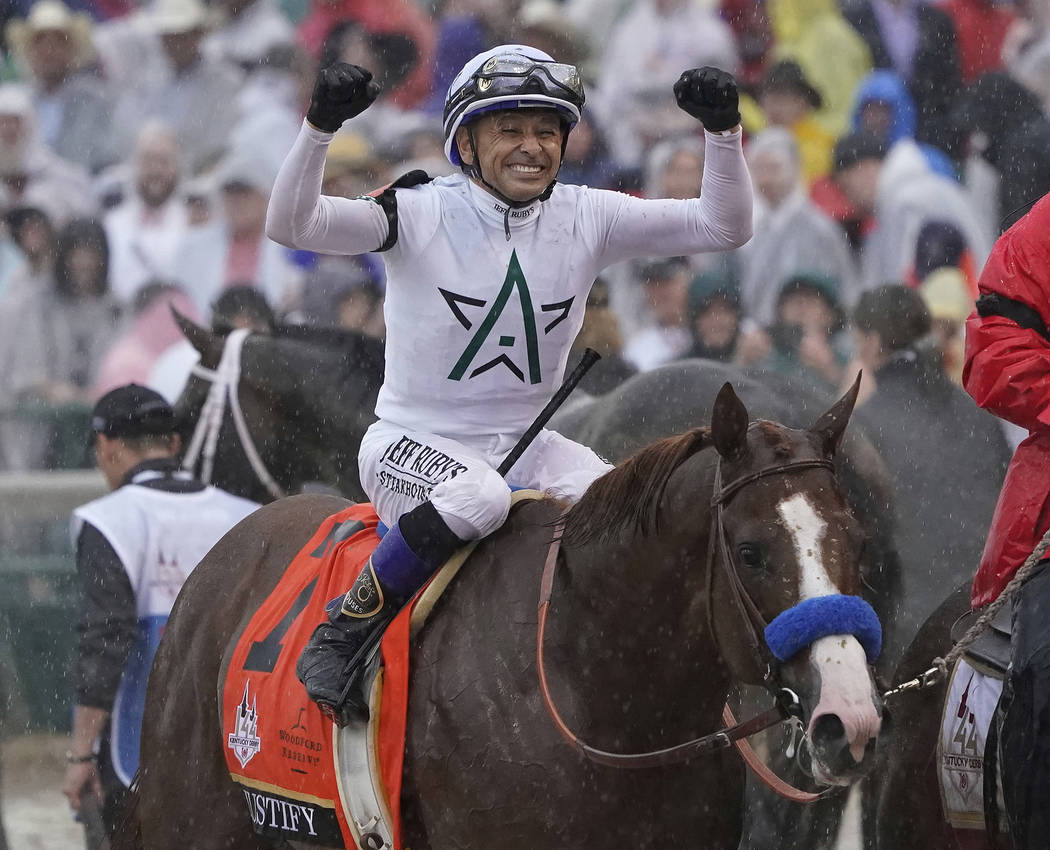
(787, 702)
(224, 380)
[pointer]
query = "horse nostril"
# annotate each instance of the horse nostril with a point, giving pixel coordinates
(830, 744)
(828, 729)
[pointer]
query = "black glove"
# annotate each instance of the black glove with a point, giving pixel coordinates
(710, 96)
(341, 92)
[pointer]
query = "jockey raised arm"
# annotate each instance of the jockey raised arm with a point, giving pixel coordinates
(487, 280)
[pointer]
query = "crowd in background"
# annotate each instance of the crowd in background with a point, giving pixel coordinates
(890, 142)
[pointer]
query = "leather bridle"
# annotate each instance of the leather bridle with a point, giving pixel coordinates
(787, 702)
(717, 545)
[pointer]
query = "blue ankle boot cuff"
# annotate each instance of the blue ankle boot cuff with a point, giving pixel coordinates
(401, 572)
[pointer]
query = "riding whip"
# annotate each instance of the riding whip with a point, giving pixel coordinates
(590, 357)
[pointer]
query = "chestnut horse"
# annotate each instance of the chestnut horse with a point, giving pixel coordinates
(670, 564)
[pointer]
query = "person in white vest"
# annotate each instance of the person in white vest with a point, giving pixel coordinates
(134, 549)
(487, 278)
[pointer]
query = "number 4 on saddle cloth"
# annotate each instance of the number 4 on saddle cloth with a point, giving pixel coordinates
(303, 778)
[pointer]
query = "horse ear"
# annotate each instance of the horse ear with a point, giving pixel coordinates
(831, 426)
(209, 346)
(729, 423)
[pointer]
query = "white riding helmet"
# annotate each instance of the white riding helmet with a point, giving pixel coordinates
(511, 76)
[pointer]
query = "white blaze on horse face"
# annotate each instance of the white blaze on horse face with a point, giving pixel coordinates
(845, 683)
(807, 532)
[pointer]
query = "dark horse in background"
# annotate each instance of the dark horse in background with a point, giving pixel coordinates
(645, 637)
(307, 395)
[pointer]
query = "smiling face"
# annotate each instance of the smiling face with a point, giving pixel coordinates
(519, 150)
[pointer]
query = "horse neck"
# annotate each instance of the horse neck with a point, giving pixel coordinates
(629, 639)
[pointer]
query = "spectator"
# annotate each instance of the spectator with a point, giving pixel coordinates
(134, 549)
(54, 332)
(147, 231)
(403, 21)
(832, 55)
(360, 308)
(902, 193)
(327, 293)
(33, 234)
(234, 249)
(791, 234)
(72, 107)
(884, 108)
(666, 287)
(33, 174)
(806, 337)
(545, 25)
(1008, 126)
(715, 316)
(981, 27)
(586, 160)
(351, 168)
(790, 101)
(674, 168)
(182, 88)
(250, 31)
(601, 331)
(151, 333)
(916, 39)
(647, 50)
(946, 294)
(390, 57)
(464, 29)
(945, 457)
(753, 34)
(941, 244)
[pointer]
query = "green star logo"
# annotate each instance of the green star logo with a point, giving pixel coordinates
(514, 283)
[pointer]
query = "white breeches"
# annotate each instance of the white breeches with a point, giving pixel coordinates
(401, 469)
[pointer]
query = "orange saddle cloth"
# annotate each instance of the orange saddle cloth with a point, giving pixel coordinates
(278, 746)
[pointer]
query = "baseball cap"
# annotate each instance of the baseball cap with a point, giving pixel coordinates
(132, 411)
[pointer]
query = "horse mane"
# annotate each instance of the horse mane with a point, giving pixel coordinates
(628, 497)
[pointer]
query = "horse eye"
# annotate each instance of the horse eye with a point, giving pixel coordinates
(750, 555)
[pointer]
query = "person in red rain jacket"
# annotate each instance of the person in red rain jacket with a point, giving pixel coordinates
(1007, 371)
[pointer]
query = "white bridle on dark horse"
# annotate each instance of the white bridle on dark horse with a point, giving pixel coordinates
(224, 380)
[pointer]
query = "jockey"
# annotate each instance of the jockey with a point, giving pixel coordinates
(1007, 371)
(487, 279)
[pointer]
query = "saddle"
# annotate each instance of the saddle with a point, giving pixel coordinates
(990, 653)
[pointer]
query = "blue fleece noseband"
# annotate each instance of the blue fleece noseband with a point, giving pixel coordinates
(796, 628)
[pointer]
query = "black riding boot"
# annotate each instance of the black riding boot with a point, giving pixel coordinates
(331, 662)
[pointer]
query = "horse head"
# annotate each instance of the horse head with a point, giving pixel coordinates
(784, 572)
(304, 398)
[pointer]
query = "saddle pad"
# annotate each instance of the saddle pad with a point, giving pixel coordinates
(278, 746)
(968, 711)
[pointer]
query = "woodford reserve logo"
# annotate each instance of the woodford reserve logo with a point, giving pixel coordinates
(244, 740)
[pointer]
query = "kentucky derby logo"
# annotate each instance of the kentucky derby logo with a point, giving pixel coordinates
(514, 283)
(243, 740)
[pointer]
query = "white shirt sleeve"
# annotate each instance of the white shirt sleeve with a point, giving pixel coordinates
(299, 216)
(719, 220)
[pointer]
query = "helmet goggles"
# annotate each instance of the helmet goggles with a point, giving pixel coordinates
(512, 74)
